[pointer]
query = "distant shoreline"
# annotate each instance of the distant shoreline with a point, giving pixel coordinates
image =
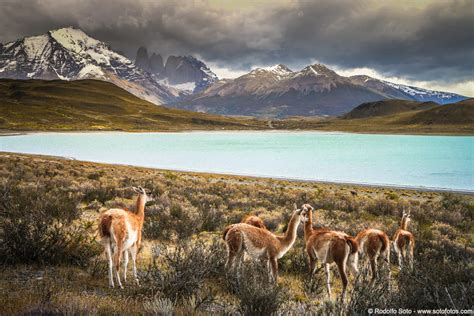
(322, 131)
(260, 177)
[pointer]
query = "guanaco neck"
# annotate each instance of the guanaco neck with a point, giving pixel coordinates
(404, 223)
(308, 226)
(141, 200)
(290, 234)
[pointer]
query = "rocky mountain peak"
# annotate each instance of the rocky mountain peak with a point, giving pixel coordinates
(156, 63)
(276, 72)
(280, 68)
(142, 60)
(75, 40)
(182, 72)
(318, 70)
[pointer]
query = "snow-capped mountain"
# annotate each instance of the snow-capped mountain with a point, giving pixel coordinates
(399, 91)
(70, 54)
(278, 91)
(182, 72)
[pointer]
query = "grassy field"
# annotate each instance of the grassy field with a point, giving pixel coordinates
(39, 105)
(91, 105)
(451, 119)
(51, 261)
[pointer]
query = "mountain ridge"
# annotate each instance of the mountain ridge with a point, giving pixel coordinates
(315, 90)
(273, 92)
(70, 54)
(82, 105)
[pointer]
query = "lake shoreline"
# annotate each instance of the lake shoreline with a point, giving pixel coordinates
(296, 130)
(6, 133)
(253, 177)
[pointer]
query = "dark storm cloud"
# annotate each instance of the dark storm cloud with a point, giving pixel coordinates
(418, 40)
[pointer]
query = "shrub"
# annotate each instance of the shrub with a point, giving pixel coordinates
(384, 207)
(184, 269)
(100, 192)
(211, 219)
(363, 295)
(256, 293)
(37, 225)
(295, 260)
(314, 286)
(436, 284)
(179, 219)
(159, 306)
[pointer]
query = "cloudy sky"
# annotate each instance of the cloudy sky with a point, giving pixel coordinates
(426, 43)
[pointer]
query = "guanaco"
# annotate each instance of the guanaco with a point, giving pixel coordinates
(374, 244)
(121, 233)
(260, 244)
(404, 242)
(328, 246)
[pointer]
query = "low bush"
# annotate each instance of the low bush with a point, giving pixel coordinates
(257, 295)
(159, 306)
(295, 260)
(183, 268)
(435, 284)
(37, 224)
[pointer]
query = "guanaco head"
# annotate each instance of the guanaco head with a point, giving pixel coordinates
(145, 193)
(305, 212)
(296, 213)
(406, 218)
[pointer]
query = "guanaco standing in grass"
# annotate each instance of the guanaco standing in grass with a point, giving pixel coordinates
(121, 233)
(404, 242)
(259, 243)
(374, 244)
(328, 246)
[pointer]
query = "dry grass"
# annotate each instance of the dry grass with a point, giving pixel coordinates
(194, 208)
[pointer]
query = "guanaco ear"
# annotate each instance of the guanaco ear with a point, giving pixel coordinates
(295, 207)
(137, 190)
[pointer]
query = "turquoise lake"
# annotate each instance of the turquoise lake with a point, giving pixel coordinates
(445, 162)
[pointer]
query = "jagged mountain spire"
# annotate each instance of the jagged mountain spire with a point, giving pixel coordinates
(183, 72)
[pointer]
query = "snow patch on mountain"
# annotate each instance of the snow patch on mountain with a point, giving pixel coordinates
(35, 45)
(314, 71)
(91, 71)
(419, 92)
(276, 72)
(190, 86)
